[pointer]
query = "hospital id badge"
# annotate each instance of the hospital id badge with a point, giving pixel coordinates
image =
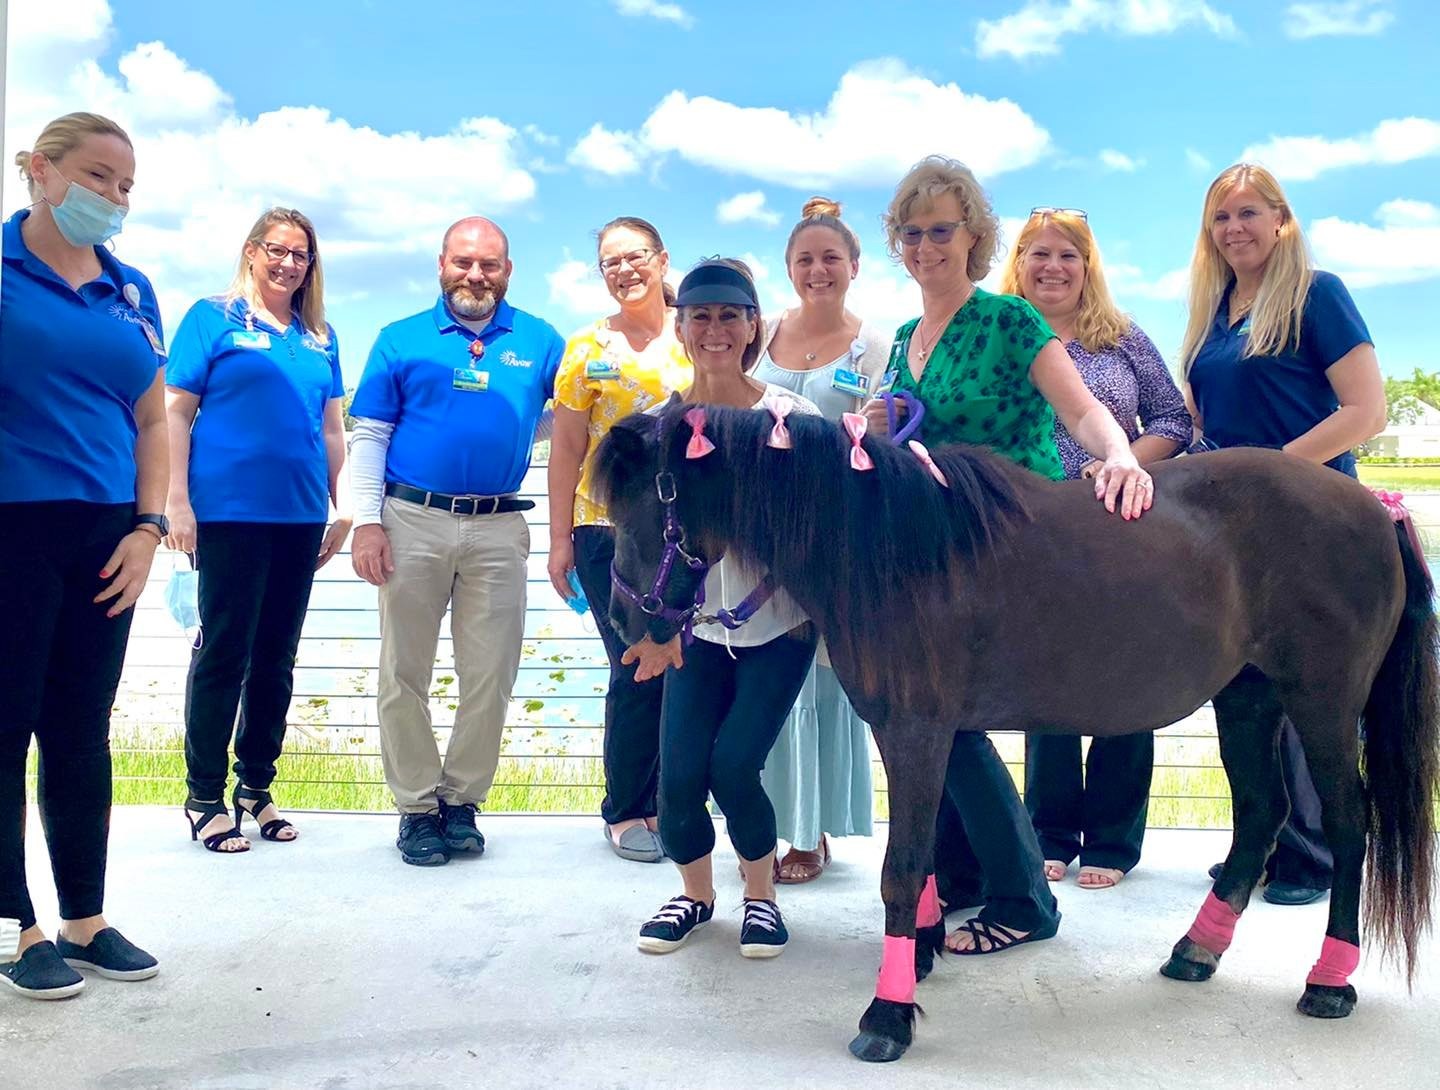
(156, 345)
(250, 338)
(602, 369)
(887, 381)
(850, 382)
(469, 379)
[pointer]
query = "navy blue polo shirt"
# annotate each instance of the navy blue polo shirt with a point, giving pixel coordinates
(257, 450)
(464, 417)
(73, 364)
(1268, 401)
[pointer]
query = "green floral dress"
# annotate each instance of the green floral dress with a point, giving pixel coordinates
(976, 385)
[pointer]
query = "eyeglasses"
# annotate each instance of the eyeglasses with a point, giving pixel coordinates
(276, 252)
(938, 233)
(635, 258)
(1045, 210)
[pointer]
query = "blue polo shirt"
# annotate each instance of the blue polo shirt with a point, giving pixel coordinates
(257, 450)
(72, 366)
(464, 422)
(1267, 401)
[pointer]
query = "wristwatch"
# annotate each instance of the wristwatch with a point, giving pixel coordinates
(160, 522)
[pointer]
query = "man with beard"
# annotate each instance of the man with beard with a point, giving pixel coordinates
(445, 417)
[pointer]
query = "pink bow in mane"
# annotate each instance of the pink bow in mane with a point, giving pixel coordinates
(917, 448)
(699, 445)
(780, 434)
(1393, 502)
(855, 426)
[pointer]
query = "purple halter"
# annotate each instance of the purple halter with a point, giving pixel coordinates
(652, 604)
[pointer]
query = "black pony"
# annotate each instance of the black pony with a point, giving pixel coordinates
(1271, 585)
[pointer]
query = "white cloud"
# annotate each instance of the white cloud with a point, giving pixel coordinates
(1036, 29)
(1130, 282)
(205, 172)
(1197, 160)
(606, 152)
(1300, 158)
(882, 118)
(1118, 160)
(1346, 18)
(746, 206)
(670, 13)
(576, 286)
(1403, 249)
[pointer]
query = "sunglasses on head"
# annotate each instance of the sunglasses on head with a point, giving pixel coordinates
(938, 233)
(1046, 210)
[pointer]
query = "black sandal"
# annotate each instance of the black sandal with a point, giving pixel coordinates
(261, 799)
(207, 811)
(999, 937)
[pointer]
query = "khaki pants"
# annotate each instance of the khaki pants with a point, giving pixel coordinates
(476, 565)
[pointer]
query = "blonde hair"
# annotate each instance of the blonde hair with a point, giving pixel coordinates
(1099, 323)
(1279, 305)
(824, 212)
(62, 136)
(309, 299)
(933, 177)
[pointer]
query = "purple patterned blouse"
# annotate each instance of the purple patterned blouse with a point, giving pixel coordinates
(1132, 381)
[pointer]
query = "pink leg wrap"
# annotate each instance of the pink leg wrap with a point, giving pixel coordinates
(897, 971)
(1338, 959)
(1214, 927)
(928, 914)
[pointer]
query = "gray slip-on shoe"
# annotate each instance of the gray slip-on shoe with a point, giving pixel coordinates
(637, 843)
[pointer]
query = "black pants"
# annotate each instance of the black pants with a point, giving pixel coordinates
(985, 846)
(632, 709)
(1098, 815)
(1301, 856)
(255, 582)
(721, 717)
(60, 660)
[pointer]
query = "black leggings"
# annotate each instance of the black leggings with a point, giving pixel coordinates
(720, 718)
(255, 582)
(1100, 815)
(632, 709)
(60, 660)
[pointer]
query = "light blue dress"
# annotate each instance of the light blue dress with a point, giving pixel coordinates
(818, 773)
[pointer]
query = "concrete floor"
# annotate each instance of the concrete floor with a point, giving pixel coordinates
(329, 964)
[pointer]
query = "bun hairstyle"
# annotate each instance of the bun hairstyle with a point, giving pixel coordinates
(652, 235)
(64, 135)
(823, 212)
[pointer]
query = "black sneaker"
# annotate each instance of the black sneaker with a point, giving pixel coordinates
(41, 973)
(459, 828)
(111, 955)
(422, 840)
(762, 930)
(669, 928)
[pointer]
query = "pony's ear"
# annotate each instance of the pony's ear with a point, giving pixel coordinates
(624, 454)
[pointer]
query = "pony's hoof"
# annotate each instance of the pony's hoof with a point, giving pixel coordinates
(1190, 962)
(1327, 1001)
(874, 1049)
(929, 943)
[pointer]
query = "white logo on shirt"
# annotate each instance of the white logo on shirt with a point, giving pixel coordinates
(124, 313)
(509, 359)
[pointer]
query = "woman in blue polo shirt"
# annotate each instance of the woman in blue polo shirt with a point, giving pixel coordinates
(257, 444)
(82, 485)
(1277, 355)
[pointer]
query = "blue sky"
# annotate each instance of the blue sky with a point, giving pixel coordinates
(386, 121)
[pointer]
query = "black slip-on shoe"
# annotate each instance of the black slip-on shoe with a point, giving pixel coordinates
(1286, 893)
(458, 824)
(422, 840)
(111, 955)
(41, 973)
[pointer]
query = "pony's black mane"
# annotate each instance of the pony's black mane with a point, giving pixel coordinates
(829, 533)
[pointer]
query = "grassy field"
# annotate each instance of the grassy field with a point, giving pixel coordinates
(1402, 478)
(1188, 792)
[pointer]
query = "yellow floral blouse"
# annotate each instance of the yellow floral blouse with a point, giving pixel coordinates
(602, 375)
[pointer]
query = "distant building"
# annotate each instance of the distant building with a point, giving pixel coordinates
(1418, 437)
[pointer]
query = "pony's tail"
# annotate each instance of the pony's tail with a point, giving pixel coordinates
(1401, 769)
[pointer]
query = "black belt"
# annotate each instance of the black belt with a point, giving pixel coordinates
(458, 505)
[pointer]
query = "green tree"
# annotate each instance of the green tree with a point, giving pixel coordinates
(1403, 396)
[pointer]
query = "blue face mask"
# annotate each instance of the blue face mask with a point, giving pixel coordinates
(182, 598)
(85, 218)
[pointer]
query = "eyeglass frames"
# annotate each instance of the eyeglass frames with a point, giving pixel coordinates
(938, 233)
(635, 258)
(1046, 210)
(277, 252)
